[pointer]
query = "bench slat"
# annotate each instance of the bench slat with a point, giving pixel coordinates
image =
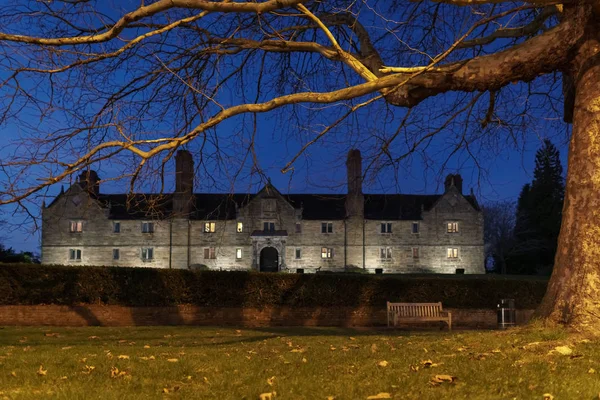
(415, 312)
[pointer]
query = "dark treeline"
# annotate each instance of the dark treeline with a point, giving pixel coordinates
(522, 238)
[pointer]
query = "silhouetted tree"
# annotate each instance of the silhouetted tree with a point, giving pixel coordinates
(539, 213)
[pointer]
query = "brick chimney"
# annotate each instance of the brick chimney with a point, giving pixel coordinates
(90, 182)
(453, 180)
(354, 201)
(184, 182)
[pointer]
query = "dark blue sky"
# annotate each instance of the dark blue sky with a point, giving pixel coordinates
(497, 162)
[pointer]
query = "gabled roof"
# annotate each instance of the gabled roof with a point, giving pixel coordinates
(222, 206)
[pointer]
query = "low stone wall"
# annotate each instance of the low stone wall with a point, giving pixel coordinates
(110, 315)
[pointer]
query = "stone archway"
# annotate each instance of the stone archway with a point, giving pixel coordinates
(269, 260)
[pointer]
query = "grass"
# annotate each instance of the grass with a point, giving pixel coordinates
(296, 363)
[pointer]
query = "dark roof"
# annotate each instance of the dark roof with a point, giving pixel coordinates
(216, 206)
(319, 206)
(137, 206)
(403, 206)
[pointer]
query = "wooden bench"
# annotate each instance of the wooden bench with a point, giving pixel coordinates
(417, 312)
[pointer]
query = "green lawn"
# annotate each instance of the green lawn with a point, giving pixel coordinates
(295, 363)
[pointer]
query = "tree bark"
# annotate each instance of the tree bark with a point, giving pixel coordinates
(573, 295)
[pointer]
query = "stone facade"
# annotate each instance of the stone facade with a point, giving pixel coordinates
(266, 231)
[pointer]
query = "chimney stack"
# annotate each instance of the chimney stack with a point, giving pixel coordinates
(354, 201)
(90, 182)
(184, 182)
(453, 180)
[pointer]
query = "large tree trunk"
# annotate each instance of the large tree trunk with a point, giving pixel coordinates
(573, 296)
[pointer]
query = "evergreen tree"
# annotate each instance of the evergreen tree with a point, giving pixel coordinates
(539, 213)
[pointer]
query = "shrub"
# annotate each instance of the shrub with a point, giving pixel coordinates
(65, 285)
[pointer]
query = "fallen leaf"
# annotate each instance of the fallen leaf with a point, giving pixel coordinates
(122, 341)
(352, 338)
(330, 398)
(461, 349)
(172, 359)
(297, 351)
(382, 363)
(93, 337)
(414, 368)
(13, 374)
(438, 379)
(115, 373)
(496, 351)
(591, 371)
(64, 378)
(266, 396)
(548, 396)
(51, 334)
(378, 396)
(171, 390)
(373, 348)
(271, 380)
(67, 348)
(429, 364)
(332, 348)
(89, 369)
(564, 350)
(146, 347)
(41, 371)
(123, 357)
(304, 360)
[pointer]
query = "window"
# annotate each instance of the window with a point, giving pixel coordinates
(379, 271)
(452, 227)
(298, 227)
(209, 253)
(76, 226)
(269, 226)
(415, 252)
(386, 227)
(326, 252)
(452, 253)
(238, 253)
(116, 254)
(116, 227)
(75, 254)
(240, 227)
(326, 227)
(385, 253)
(300, 270)
(147, 253)
(298, 254)
(209, 227)
(415, 227)
(147, 227)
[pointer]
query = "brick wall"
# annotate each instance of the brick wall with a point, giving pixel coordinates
(110, 315)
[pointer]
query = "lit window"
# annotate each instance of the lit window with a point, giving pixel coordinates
(415, 227)
(240, 227)
(116, 227)
(209, 227)
(76, 226)
(147, 253)
(269, 226)
(326, 227)
(209, 253)
(75, 254)
(147, 227)
(298, 227)
(238, 253)
(385, 253)
(386, 227)
(326, 252)
(116, 254)
(298, 254)
(415, 252)
(452, 253)
(452, 227)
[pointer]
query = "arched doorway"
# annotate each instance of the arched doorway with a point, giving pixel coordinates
(269, 260)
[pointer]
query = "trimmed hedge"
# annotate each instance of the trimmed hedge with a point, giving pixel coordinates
(44, 284)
